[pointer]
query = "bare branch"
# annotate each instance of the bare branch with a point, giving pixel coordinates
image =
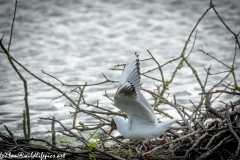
(229, 123)
(15, 10)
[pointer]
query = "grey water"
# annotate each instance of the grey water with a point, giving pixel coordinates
(78, 40)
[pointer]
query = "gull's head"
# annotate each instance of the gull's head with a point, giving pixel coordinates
(113, 126)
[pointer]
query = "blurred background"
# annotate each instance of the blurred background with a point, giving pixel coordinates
(78, 40)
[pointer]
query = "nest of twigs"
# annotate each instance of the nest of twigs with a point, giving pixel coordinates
(216, 139)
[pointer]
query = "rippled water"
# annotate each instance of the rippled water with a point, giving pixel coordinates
(77, 41)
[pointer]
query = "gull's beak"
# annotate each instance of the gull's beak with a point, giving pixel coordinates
(110, 132)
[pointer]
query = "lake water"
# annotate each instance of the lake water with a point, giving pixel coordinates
(76, 41)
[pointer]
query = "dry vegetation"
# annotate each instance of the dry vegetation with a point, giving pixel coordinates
(203, 133)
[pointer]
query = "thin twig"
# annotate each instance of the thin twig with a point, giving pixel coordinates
(229, 123)
(161, 72)
(195, 37)
(234, 34)
(180, 113)
(221, 91)
(80, 85)
(10, 58)
(196, 143)
(201, 50)
(15, 10)
(208, 153)
(210, 109)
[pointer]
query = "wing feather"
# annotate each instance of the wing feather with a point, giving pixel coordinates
(126, 100)
(130, 100)
(131, 74)
(127, 89)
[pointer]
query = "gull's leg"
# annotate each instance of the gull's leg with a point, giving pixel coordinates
(148, 146)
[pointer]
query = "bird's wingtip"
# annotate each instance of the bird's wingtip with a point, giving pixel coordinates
(136, 54)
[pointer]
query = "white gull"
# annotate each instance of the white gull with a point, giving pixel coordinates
(142, 123)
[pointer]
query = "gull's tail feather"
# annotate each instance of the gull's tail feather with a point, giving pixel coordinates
(166, 124)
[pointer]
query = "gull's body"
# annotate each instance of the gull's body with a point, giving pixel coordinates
(142, 123)
(144, 132)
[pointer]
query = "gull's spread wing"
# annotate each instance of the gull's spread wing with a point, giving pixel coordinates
(129, 98)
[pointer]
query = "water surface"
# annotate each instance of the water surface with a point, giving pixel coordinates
(77, 41)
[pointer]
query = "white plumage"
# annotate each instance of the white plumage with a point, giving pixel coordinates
(142, 123)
